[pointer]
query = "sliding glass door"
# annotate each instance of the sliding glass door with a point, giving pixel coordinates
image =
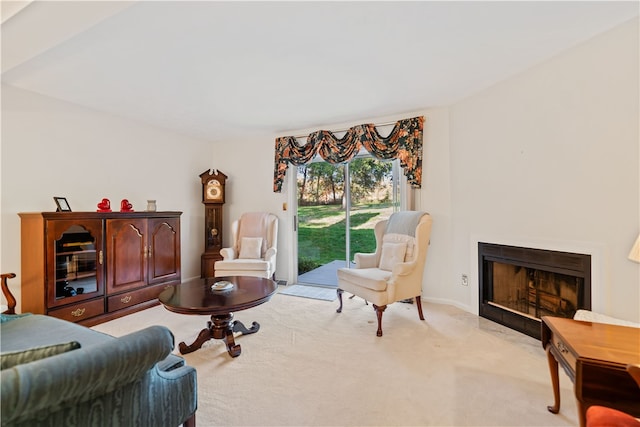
(338, 206)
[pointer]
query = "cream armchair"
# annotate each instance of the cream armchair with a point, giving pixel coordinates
(394, 272)
(255, 239)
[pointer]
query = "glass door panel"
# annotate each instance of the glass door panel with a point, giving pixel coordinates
(333, 199)
(372, 199)
(321, 222)
(76, 262)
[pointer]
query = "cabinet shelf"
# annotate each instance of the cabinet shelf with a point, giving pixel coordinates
(67, 253)
(76, 276)
(71, 244)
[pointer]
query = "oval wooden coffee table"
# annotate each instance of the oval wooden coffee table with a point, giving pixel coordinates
(197, 297)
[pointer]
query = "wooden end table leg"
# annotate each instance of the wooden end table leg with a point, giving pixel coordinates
(204, 336)
(582, 413)
(238, 326)
(555, 381)
(233, 348)
(221, 327)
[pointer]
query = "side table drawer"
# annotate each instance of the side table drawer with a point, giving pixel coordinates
(80, 311)
(567, 359)
(128, 299)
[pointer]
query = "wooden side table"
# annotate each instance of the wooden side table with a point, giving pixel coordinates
(198, 297)
(595, 356)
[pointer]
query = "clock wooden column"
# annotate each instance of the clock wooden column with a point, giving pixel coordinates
(213, 183)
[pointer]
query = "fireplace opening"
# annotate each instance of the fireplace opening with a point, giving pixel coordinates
(520, 285)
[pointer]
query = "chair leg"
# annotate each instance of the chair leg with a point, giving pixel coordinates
(419, 304)
(339, 292)
(379, 311)
(190, 422)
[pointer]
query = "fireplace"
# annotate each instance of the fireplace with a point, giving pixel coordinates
(520, 285)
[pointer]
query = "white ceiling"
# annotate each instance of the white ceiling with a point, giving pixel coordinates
(228, 70)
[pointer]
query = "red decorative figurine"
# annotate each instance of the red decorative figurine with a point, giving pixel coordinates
(104, 206)
(125, 206)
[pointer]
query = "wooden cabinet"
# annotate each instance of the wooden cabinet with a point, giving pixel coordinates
(126, 250)
(143, 255)
(91, 267)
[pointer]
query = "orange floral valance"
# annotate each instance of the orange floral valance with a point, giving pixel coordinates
(404, 143)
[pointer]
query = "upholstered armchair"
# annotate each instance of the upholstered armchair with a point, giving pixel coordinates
(255, 239)
(394, 271)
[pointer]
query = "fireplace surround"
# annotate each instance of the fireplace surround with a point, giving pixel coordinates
(519, 285)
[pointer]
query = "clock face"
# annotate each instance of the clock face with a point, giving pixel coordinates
(213, 190)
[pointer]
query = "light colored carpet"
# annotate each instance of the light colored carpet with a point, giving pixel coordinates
(310, 366)
(306, 291)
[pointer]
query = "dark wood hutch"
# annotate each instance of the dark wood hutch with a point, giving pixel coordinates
(91, 267)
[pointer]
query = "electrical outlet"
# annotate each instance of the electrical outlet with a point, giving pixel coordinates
(465, 280)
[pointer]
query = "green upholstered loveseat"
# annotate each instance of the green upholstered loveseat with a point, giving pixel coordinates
(58, 373)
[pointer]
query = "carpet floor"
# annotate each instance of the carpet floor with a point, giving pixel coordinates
(310, 366)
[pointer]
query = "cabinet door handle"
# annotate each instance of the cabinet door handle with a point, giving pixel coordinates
(146, 253)
(126, 299)
(77, 313)
(150, 251)
(100, 257)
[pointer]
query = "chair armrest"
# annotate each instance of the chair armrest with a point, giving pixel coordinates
(403, 268)
(78, 376)
(11, 301)
(228, 253)
(365, 260)
(270, 254)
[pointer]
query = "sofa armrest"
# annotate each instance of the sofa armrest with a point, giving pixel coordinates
(48, 385)
(170, 363)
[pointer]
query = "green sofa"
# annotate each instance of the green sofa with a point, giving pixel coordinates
(58, 373)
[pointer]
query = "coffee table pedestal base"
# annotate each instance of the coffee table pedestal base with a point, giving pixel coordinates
(221, 327)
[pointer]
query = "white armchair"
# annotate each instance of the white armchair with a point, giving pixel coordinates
(394, 271)
(255, 239)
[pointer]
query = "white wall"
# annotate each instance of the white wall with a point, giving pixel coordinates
(52, 148)
(248, 165)
(550, 158)
(435, 197)
(547, 159)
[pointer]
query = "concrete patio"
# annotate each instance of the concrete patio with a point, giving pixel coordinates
(324, 275)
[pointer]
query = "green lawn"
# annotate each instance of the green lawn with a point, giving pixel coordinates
(321, 233)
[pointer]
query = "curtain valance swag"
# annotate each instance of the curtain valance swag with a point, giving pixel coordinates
(404, 143)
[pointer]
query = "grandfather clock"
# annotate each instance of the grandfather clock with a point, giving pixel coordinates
(213, 183)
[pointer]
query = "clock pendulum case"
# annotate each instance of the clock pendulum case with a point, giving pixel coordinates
(213, 194)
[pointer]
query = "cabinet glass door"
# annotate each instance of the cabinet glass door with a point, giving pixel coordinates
(76, 260)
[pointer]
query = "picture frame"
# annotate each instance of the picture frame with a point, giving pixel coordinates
(63, 205)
